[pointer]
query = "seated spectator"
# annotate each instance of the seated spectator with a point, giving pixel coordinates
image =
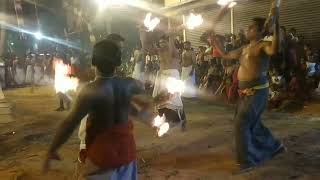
(277, 90)
(213, 78)
(232, 91)
(228, 76)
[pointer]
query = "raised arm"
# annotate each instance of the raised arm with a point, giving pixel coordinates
(145, 42)
(172, 33)
(272, 48)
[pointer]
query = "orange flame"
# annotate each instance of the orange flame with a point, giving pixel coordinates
(62, 81)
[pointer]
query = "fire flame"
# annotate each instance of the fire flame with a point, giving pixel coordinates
(175, 86)
(62, 81)
(194, 21)
(163, 129)
(158, 121)
(151, 23)
(230, 3)
(161, 124)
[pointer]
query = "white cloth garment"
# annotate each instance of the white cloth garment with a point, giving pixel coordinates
(175, 103)
(82, 132)
(190, 81)
(47, 79)
(29, 74)
(19, 76)
(318, 89)
(2, 76)
(38, 75)
(1, 93)
(138, 72)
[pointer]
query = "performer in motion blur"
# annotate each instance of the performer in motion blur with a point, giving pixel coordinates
(111, 103)
(254, 142)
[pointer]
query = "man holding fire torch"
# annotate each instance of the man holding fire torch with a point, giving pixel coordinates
(169, 68)
(254, 142)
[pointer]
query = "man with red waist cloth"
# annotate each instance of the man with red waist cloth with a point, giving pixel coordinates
(108, 101)
(254, 142)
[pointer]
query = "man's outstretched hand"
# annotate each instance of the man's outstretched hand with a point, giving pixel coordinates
(50, 156)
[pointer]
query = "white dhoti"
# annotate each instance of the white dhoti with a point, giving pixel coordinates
(82, 132)
(19, 76)
(175, 103)
(1, 93)
(46, 79)
(189, 78)
(2, 77)
(38, 75)
(138, 72)
(29, 74)
(318, 89)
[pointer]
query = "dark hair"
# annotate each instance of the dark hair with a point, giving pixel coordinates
(106, 56)
(283, 28)
(164, 37)
(308, 45)
(293, 30)
(259, 21)
(115, 37)
(187, 42)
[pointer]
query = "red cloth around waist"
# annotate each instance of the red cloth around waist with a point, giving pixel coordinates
(114, 147)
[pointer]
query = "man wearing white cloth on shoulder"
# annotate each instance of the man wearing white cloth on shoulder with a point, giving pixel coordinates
(169, 65)
(188, 70)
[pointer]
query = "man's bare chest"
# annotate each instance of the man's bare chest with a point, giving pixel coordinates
(250, 55)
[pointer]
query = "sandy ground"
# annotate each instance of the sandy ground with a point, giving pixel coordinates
(204, 152)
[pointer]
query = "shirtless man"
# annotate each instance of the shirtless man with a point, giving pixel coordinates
(188, 70)
(169, 65)
(111, 103)
(254, 142)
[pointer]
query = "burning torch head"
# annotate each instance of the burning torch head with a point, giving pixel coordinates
(106, 54)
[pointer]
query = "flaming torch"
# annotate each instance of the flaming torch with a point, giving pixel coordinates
(194, 21)
(161, 125)
(175, 86)
(149, 23)
(62, 82)
(229, 3)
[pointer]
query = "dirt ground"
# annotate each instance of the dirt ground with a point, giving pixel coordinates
(203, 152)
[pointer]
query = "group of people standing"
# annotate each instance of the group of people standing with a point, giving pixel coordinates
(30, 70)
